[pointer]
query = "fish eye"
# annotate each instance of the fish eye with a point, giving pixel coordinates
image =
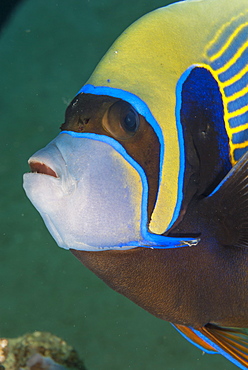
(121, 120)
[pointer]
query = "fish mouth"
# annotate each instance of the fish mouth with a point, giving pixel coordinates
(42, 168)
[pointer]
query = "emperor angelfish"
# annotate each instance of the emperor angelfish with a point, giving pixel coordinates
(147, 183)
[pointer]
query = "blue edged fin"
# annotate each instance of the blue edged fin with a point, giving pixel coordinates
(193, 338)
(232, 343)
(229, 205)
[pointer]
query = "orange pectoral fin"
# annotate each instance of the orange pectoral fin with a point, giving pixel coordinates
(192, 337)
(231, 343)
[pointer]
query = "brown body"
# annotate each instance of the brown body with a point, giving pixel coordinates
(191, 286)
(202, 286)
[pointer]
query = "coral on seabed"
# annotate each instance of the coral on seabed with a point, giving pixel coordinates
(38, 351)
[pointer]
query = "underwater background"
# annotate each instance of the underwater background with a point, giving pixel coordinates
(48, 49)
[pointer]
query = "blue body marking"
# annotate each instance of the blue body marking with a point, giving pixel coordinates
(149, 240)
(239, 103)
(239, 152)
(232, 49)
(236, 86)
(240, 137)
(235, 68)
(228, 56)
(239, 120)
(222, 39)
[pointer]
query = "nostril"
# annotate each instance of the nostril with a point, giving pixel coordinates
(39, 167)
(82, 122)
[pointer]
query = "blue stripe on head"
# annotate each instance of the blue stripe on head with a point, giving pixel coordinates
(144, 110)
(148, 240)
(153, 240)
(140, 106)
(121, 150)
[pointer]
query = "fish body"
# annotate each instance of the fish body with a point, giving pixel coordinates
(147, 182)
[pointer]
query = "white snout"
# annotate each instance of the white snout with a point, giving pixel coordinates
(94, 203)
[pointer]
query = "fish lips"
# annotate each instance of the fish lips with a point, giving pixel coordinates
(49, 171)
(40, 167)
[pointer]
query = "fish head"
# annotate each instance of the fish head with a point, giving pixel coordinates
(90, 184)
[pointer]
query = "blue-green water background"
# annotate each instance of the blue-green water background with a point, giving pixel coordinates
(48, 49)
